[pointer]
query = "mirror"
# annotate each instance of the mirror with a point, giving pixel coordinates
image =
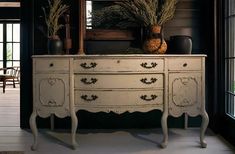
(88, 31)
(95, 17)
(105, 30)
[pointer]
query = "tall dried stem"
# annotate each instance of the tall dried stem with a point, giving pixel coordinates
(55, 11)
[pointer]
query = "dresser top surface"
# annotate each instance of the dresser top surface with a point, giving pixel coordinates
(120, 55)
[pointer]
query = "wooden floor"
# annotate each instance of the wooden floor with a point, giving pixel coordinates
(10, 107)
(144, 141)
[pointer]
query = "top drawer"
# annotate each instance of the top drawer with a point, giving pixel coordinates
(181, 64)
(50, 65)
(118, 65)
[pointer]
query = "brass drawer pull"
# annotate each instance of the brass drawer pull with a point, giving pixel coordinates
(92, 98)
(145, 97)
(92, 81)
(145, 65)
(86, 66)
(185, 65)
(145, 80)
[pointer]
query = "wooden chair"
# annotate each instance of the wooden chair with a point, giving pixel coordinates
(9, 75)
(14, 71)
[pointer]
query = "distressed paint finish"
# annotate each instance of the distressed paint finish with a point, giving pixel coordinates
(174, 84)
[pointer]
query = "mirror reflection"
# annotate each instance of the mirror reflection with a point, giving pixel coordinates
(99, 16)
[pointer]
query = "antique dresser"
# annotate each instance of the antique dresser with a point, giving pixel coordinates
(64, 84)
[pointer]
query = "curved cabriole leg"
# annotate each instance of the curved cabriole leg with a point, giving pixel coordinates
(74, 130)
(164, 129)
(205, 121)
(33, 126)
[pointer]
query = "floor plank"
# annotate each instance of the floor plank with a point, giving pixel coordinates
(132, 141)
(10, 107)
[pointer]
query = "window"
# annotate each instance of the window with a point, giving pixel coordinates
(9, 44)
(230, 57)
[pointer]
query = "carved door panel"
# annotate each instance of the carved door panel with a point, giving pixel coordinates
(185, 93)
(51, 94)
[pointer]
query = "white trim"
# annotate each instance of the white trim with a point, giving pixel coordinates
(9, 4)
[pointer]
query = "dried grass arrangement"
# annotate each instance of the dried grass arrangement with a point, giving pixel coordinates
(129, 13)
(52, 14)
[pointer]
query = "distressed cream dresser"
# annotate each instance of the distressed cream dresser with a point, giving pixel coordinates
(174, 84)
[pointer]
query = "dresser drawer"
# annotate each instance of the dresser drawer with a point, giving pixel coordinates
(51, 65)
(116, 97)
(118, 81)
(118, 65)
(181, 64)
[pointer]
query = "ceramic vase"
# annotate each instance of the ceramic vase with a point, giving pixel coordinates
(154, 41)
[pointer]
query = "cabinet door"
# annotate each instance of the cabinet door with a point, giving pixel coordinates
(185, 93)
(51, 94)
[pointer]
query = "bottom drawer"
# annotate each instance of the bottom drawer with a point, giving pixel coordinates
(118, 97)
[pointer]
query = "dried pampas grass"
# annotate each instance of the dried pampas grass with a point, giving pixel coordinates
(52, 14)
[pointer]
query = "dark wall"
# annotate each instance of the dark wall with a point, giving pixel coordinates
(188, 20)
(14, 13)
(27, 46)
(193, 18)
(40, 31)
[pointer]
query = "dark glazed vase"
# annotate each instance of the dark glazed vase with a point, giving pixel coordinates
(55, 47)
(181, 44)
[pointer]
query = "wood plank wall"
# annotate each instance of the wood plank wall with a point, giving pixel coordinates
(188, 20)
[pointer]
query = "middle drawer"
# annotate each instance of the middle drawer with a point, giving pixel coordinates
(106, 81)
(118, 97)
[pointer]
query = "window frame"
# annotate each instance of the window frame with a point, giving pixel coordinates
(229, 60)
(5, 42)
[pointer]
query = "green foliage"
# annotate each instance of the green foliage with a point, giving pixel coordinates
(9, 52)
(233, 87)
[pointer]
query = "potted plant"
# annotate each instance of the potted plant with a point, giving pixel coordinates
(52, 14)
(151, 14)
